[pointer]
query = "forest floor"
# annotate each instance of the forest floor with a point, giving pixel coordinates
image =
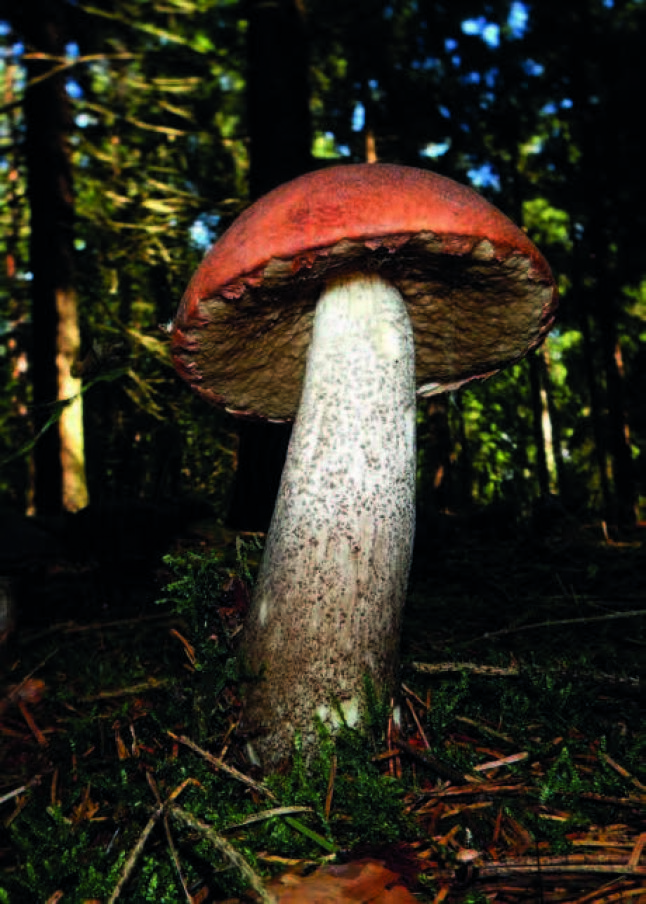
(517, 774)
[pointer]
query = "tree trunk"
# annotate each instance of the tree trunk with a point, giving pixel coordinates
(438, 452)
(279, 150)
(16, 309)
(596, 416)
(59, 459)
(542, 471)
(278, 94)
(618, 433)
(464, 463)
(551, 424)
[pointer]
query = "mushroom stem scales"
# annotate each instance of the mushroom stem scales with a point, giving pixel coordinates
(328, 601)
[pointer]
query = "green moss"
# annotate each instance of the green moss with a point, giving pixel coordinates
(111, 745)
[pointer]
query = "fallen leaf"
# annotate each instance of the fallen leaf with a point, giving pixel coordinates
(360, 882)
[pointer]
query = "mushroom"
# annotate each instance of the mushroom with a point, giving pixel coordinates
(333, 300)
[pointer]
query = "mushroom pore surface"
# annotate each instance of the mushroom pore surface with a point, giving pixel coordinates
(478, 292)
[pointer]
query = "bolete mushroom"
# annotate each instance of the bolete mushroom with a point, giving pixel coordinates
(333, 300)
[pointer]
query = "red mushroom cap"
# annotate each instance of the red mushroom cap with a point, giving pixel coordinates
(479, 293)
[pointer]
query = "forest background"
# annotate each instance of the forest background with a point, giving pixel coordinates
(133, 131)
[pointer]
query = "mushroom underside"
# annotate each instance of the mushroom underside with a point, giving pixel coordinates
(474, 308)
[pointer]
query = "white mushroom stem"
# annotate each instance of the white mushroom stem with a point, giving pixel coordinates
(328, 601)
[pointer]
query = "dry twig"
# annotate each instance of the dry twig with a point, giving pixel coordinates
(223, 846)
(135, 853)
(220, 764)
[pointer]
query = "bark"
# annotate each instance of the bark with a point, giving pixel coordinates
(59, 453)
(537, 426)
(611, 426)
(551, 425)
(18, 471)
(603, 237)
(439, 449)
(327, 605)
(618, 433)
(464, 464)
(600, 449)
(279, 150)
(277, 94)
(542, 425)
